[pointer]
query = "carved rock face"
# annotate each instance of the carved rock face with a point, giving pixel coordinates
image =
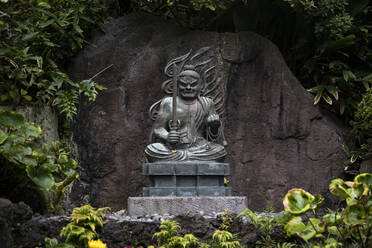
(277, 139)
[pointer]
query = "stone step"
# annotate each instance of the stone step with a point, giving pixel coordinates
(187, 191)
(141, 206)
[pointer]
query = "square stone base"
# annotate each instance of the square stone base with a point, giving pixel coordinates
(141, 206)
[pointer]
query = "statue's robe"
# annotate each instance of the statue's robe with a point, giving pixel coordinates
(197, 141)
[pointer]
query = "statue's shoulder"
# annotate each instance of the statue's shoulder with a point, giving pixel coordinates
(207, 100)
(166, 100)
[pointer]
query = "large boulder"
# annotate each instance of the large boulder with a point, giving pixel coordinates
(277, 138)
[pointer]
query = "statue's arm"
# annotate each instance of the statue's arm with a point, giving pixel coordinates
(161, 122)
(213, 120)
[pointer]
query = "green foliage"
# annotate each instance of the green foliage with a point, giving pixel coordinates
(267, 225)
(48, 166)
(350, 225)
(83, 226)
(363, 115)
(37, 38)
(168, 238)
(198, 14)
(53, 243)
(226, 221)
(224, 239)
(360, 147)
(336, 62)
(337, 59)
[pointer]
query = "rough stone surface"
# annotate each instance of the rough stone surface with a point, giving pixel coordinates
(366, 166)
(12, 216)
(277, 138)
(42, 115)
(25, 231)
(138, 206)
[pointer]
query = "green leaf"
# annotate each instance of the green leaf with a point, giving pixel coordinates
(333, 231)
(368, 78)
(317, 98)
(41, 176)
(78, 29)
(294, 226)
(13, 94)
(345, 42)
(4, 97)
(29, 36)
(44, 4)
(333, 90)
(357, 190)
(30, 130)
(28, 98)
(339, 188)
(317, 202)
(354, 157)
(354, 215)
(342, 107)
(3, 136)
(348, 75)
(358, 6)
(11, 119)
(332, 219)
(23, 92)
(298, 201)
(365, 178)
(327, 98)
(100, 87)
(46, 24)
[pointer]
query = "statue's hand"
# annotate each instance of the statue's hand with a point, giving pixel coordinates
(173, 137)
(214, 121)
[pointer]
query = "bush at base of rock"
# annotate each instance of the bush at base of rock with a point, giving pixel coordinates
(351, 225)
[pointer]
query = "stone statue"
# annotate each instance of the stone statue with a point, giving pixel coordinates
(187, 126)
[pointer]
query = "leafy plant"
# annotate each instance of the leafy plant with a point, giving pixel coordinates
(53, 243)
(83, 226)
(360, 147)
(352, 224)
(196, 14)
(337, 66)
(267, 225)
(48, 166)
(224, 239)
(38, 36)
(226, 221)
(168, 238)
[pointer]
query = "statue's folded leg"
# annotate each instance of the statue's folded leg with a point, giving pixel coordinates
(207, 152)
(160, 152)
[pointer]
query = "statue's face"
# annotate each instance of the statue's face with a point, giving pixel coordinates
(189, 85)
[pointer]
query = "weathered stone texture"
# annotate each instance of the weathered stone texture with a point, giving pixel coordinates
(277, 138)
(142, 206)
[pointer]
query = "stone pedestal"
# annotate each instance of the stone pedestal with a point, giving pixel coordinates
(141, 206)
(180, 188)
(186, 179)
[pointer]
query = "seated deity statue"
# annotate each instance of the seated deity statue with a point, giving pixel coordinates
(193, 132)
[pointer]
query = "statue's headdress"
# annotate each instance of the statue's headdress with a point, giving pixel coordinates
(190, 70)
(203, 62)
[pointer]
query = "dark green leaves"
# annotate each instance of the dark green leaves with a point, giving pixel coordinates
(41, 176)
(11, 119)
(49, 167)
(36, 40)
(298, 201)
